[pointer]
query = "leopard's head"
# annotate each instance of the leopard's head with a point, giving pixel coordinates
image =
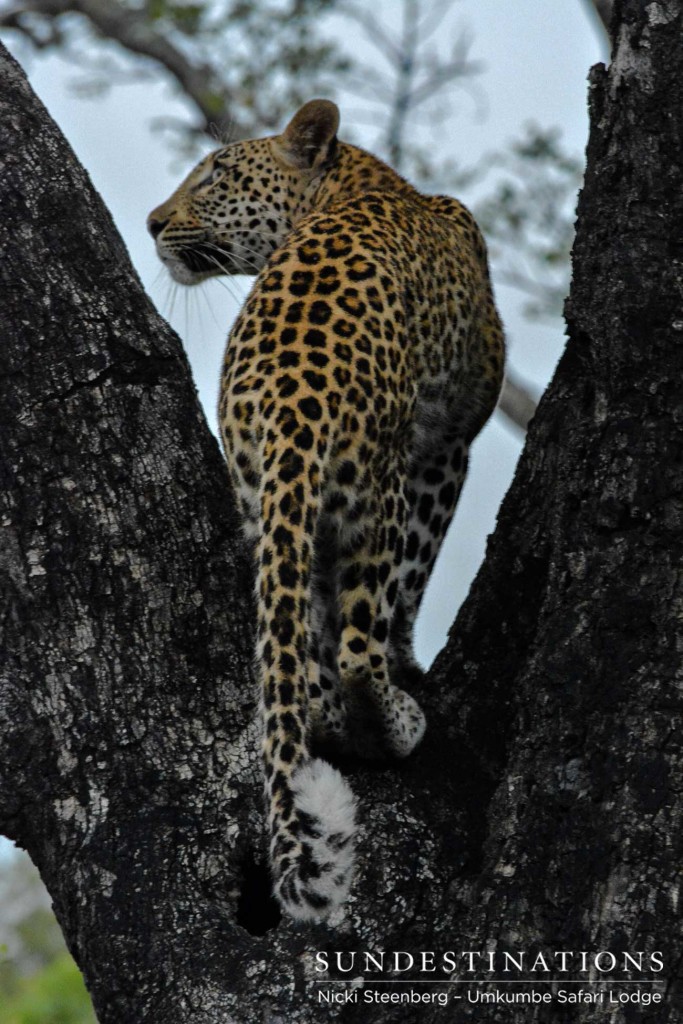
(239, 203)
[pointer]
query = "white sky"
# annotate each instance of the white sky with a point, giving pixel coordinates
(536, 55)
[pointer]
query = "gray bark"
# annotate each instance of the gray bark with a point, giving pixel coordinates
(543, 810)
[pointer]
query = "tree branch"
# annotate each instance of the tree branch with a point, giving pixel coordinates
(374, 30)
(516, 403)
(134, 31)
(604, 10)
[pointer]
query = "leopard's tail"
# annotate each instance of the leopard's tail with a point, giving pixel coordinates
(311, 808)
(312, 854)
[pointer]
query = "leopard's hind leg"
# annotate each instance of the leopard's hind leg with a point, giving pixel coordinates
(381, 718)
(435, 480)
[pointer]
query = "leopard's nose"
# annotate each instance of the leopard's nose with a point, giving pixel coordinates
(154, 226)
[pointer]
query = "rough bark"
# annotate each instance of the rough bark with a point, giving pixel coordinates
(543, 811)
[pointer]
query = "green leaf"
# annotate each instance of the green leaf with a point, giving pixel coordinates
(55, 995)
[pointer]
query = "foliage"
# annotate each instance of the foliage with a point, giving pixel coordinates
(55, 995)
(39, 981)
(29, 935)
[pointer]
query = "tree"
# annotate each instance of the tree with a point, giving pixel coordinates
(544, 811)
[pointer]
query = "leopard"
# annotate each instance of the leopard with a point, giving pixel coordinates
(367, 357)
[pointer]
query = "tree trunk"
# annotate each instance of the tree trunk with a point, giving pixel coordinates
(543, 811)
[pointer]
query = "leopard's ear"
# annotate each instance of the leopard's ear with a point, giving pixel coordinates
(310, 138)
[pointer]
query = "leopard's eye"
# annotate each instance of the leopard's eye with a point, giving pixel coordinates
(212, 176)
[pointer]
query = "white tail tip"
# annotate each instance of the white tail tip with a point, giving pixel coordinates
(318, 878)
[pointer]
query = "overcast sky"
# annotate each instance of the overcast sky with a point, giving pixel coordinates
(536, 56)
